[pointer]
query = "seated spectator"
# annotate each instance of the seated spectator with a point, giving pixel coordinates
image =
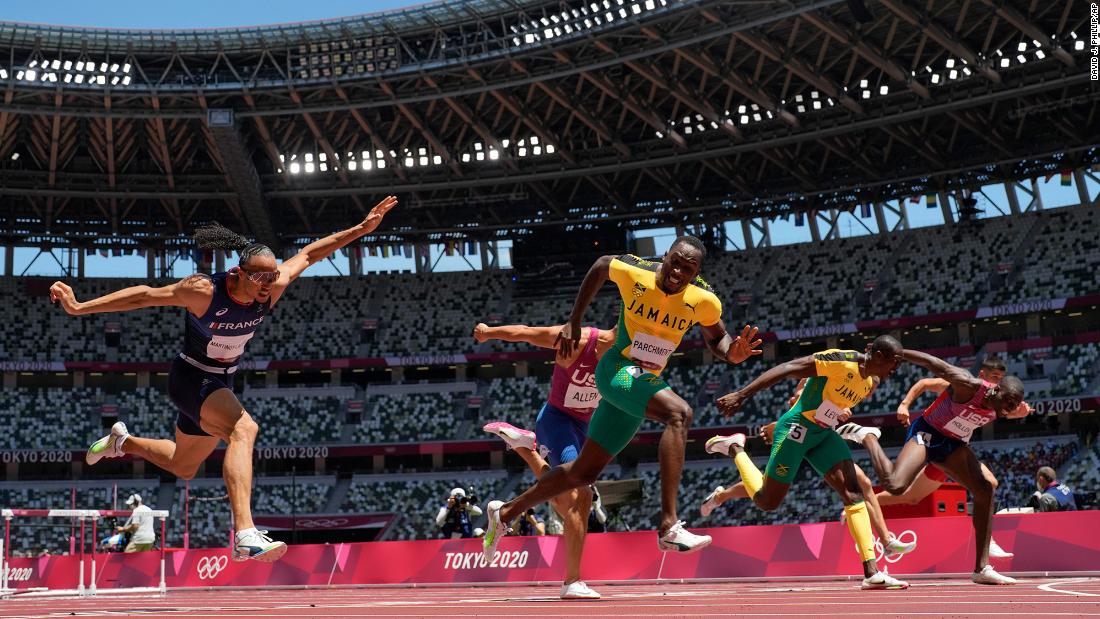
(1052, 496)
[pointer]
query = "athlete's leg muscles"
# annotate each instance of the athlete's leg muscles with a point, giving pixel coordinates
(224, 417)
(921, 487)
(581, 472)
(670, 409)
(989, 476)
(842, 478)
(181, 458)
(878, 521)
(534, 461)
(736, 491)
(898, 475)
(573, 507)
(964, 467)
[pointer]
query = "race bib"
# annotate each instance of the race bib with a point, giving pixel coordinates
(651, 350)
(227, 347)
(581, 397)
(828, 414)
(962, 428)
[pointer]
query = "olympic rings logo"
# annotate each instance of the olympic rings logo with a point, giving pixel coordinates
(322, 523)
(209, 567)
(880, 551)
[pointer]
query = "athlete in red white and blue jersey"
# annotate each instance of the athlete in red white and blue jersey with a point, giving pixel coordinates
(942, 436)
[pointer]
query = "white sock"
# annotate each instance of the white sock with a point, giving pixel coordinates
(244, 532)
(119, 442)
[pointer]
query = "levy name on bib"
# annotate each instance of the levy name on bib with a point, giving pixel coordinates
(828, 414)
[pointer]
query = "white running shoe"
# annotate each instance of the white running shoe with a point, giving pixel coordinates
(989, 576)
(856, 433)
(494, 531)
(996, 552)
(883, 580)
(721, 444)
(711, 502)
(679, 539)
(578, 591)
(255, 544)
(513, 436)
(109, 446)
(894, 546)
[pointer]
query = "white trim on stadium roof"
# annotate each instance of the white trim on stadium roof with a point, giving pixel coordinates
(412, 157)
(949, 70)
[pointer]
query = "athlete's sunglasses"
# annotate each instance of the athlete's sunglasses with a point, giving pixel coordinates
(260, 277)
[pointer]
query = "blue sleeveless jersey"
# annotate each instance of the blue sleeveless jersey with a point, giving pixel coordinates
(218, 337)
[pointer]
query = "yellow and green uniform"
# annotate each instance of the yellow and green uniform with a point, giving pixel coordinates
(651, 327)
(838, 385)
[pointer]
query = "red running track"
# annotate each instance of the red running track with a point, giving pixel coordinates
(1033, 597)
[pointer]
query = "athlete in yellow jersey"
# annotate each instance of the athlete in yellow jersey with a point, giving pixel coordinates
(661, 302)
(836, 380)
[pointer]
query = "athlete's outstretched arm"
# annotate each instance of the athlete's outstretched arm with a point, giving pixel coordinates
(570, 335)
(323, 248)
(797, 368)
(193, 292)
(731, 349)
(935, 385)
(543, 337)
(957, 377)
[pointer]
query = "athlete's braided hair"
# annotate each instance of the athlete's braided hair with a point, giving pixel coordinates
(216, 236)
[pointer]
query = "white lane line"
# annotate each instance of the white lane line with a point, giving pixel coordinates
(1052, 588)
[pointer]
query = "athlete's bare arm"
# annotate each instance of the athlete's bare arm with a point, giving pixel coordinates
(962, 382)
(731, 349)
(321, 249)
(797, 368)
(543, 337)
(570, 335)
(935, 385)
(193, 292)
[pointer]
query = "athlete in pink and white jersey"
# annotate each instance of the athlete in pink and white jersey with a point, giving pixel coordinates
(560, 429)
(942, 436)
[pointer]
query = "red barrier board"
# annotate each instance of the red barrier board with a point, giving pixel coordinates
(1041, 542)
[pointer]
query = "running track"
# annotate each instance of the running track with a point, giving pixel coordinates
(1034, 597)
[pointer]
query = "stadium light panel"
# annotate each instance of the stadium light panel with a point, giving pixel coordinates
(1021, 47)
(437, 160)
(1039, 54)
(30, 75)
(953, 74)
(935, 78)
(884, 90)
(1079, 45)
(1005, 62)
(295, 167)
(310, 168)
(1021, 58)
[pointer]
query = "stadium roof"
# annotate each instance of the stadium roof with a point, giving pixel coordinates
(487, 117)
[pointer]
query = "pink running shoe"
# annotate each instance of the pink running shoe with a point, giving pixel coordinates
(513, 436)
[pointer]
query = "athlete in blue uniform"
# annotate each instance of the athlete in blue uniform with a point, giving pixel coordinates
(224, 311)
